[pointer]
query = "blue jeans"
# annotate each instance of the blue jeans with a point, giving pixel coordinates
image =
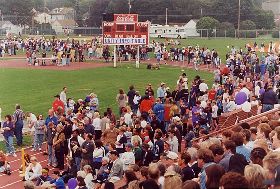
(38, 141)
(51, 155)
(18, 132)
(267, 107)
(10, 144)
(78, 162)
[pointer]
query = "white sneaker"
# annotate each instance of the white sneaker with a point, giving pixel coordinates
(40, 149)
(14, 155)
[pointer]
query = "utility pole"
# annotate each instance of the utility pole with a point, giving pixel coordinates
(1, 15)
(238, 22)
(166, 12)
(129, 6)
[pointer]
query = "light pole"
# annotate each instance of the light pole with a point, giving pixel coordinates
(166, 16)
(129, 6)
(238, 22)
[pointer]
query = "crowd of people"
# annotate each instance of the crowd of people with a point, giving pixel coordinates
(150, 142)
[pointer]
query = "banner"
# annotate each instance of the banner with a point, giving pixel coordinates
(124, 41)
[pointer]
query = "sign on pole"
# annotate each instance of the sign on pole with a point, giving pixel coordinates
(125, 30)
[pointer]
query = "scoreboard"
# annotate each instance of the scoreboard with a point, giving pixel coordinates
(125, 30)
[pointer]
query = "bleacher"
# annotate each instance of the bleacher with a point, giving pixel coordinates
(235, 118)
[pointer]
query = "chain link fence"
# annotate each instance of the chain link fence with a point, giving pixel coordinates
(187, 33)
(262, 34)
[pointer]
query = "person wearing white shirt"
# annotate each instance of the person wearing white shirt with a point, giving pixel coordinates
(32, 119)
(127, 118)
(128, 157)
(173, 141)
(89, 177)
(276, 140)
(63, 96)
(257, 90)
(246, 91)
(34, 169)
(136, 101)
(203, 87)
(230, 106)
(96, 122)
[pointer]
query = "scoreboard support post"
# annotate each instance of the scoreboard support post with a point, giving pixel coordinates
(138, 57)
(115, 56)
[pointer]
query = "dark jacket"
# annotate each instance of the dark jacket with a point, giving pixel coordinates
(269, 97)
(147, 157)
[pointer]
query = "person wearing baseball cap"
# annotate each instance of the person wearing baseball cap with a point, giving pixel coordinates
(171, 158)
(45, 177)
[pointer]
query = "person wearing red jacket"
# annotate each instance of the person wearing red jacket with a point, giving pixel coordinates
(57, 103)
(212, 94)
(146, 104)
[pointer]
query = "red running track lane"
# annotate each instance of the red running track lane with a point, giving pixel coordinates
(14, 181)
(22, 64)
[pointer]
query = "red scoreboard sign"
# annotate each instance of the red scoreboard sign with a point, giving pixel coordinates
(125, 30)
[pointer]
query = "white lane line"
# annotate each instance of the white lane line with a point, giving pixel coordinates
(18, 169)
(17, 181)
(20, 158)
(10, 184)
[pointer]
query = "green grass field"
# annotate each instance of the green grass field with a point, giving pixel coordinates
(34, 89)
(221, 44)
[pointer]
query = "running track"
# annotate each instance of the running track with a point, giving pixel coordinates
(14, 181)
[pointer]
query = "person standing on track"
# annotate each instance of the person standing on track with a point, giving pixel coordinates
(18, 118)
(8, 128)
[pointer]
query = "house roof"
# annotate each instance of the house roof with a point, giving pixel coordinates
(67, 23)
(41, 13)
(61, 11)
(5, 22)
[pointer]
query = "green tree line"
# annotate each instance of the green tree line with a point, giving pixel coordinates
(179, 11)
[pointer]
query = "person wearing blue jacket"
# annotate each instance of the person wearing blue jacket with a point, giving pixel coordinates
(263, 70)
(158, 109)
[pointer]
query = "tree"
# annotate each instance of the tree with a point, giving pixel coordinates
(20, 12)
(207, 23)
(98, 7)
(247, 25)
(118, 6)
(225, 29)
(264, 19)
(78, 13)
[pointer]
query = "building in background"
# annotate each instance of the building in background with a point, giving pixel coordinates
(273, 5)
(64, 26)
(8, 27)
(43, 18)
(63, 13)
